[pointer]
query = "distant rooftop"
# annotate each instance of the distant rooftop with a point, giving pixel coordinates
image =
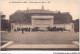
(42, 10)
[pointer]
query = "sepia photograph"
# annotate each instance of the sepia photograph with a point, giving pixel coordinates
(39, 25)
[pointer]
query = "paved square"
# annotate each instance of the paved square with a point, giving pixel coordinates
(40, 37)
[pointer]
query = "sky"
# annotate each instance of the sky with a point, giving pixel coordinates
(71, 6)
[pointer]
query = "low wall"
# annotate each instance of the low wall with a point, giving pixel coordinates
(69, 26)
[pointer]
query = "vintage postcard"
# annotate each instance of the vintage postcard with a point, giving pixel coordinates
(39, 25)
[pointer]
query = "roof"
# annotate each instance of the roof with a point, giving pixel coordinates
(36, 11)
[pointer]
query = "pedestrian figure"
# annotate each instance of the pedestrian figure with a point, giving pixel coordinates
(29, 29)
(22, 31)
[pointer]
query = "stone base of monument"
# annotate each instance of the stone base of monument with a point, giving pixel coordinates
(52, 47)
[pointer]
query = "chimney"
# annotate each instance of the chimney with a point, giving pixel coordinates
(42, 7)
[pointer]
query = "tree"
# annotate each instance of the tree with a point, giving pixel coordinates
(76, 25)
(5, 25)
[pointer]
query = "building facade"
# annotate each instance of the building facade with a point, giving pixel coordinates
(42, 19)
